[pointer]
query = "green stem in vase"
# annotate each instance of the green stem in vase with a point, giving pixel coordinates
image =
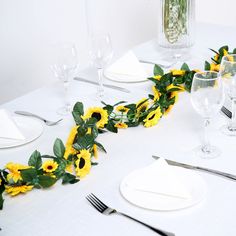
(175, 19)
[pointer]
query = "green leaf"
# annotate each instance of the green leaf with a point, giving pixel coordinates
(109, 109)
(207, 65)
(79, 108)
(100, 146)
(46, 181)
(185, 67)
(91, 122)
(1, 202)
(77, 118)
(69, 178)
(131, 106)
(29, 175)
(35, 160)
(118, 103)
(111, 126)
(234, 51)
(59, 148)
(158, 70)
(95, 132)
(84, 142)
(221, 50)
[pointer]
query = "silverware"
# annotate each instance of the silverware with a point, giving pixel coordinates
(104, 209)
(105, 85)
(226, 111)
(47, 122)
(191, 167)
(165, 66)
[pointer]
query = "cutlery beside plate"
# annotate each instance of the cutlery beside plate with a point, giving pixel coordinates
(111, 86)
(198, 168)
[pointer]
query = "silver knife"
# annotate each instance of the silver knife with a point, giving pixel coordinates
(105, 85)
(191, 167)
(226, 112)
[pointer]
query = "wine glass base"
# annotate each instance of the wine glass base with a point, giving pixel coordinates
(64, 111)
(213, 152)
(228, 131)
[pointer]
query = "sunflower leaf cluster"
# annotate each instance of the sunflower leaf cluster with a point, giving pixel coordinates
(214, 65)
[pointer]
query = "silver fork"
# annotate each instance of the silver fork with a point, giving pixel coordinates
(47, 122)
(104, 209)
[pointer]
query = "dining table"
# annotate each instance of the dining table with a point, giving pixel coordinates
(64, 210)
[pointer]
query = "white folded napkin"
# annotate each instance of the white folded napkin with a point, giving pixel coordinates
(8, 127)
(158, 178)
(127, 66)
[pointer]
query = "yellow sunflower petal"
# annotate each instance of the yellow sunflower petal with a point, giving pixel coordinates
(177, 72)
(121, 125)
(83, 164)
(99, 113)
(152, 118)
(15, 190)
(49, 166)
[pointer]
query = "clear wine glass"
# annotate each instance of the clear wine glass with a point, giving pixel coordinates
(207, 97)
(64, 67)
(101, 53)
(228, 74)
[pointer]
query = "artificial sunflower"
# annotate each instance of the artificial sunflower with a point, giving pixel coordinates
(72, 135)
(156, 93)
(99, 113)
(121, 125)
(49, 166)
(142, 105)
(15, 190)
(14, 169)
(95, 151)
(157, 77)
(152, 118)
(83, 164)
(122, 109)
(177, 72)
(215, 67)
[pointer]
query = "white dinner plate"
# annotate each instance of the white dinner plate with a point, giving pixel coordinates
(29, 127)
(122, 78)
(153, 201)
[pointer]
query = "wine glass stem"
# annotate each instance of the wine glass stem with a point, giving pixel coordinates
(67, 100)
(232, 124)
(100, 82)
(206, 143)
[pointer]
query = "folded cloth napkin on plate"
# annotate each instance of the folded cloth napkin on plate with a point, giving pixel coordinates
(8, 127)
(158, 178)
(127, 68)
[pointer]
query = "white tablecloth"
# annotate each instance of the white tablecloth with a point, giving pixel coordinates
(63, 210)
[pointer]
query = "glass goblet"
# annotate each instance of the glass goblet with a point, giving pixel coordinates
(101, 53)
(207, 97)
(228, 74)
(64, 67)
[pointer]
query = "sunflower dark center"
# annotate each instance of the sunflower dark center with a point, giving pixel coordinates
(143, 109)
(150, 118)
(50, 167)
(81, 163)
(97, 115)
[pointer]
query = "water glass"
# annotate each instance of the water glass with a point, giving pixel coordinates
(207, 97)
(228, 74)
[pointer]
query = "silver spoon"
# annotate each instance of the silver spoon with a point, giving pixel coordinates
(47, 122)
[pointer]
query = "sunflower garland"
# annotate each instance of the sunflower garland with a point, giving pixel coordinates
(73, 161)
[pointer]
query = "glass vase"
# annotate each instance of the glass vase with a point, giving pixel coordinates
(176, 23)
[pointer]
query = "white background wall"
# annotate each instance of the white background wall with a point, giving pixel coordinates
(28, 27)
